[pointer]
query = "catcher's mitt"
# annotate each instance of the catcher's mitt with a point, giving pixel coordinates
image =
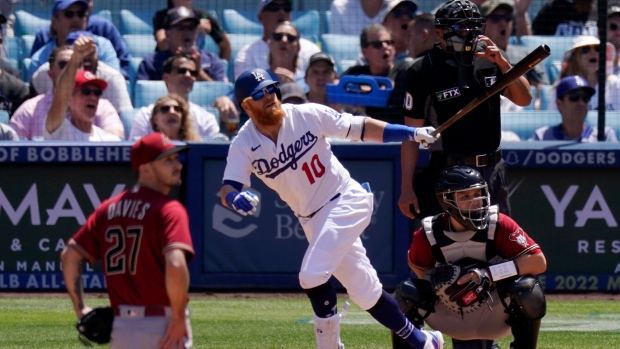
(96, 326)
(464, 298)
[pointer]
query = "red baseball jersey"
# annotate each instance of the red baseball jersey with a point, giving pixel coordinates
(130, 234)
(510, 242)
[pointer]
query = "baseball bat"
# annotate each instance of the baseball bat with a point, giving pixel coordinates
(523, 66)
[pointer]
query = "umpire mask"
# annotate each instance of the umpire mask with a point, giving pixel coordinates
(461, 23)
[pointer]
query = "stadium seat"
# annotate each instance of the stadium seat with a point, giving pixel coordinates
(553, 69)
(524, 123)
(140, 45)
(4, 117)
(547, 95)
(134, 63)
(136, 22)
(29, 24)
(14, 47)
(213, 111)
(147, 92)
(27, 42)
(237, 41)
(127, 117)
(327, 15)
(558, 44)
(246, 22)
(107, 14)
(26, 69)
(210, 45)
(533, 103)
(341, 47)
(204, 93)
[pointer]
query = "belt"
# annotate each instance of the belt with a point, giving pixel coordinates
(315, 212)
(475, 160)
(139, 311)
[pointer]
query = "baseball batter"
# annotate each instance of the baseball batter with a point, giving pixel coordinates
(143, 241)
(497, 257)
(286, 146)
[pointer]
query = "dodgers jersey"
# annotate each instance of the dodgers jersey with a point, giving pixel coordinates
(300, 166)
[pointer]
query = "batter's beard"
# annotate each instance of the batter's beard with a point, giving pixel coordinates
(271, 118)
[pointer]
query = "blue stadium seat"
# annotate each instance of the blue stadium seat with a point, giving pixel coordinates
(134, 63)
(327, 15)
(26, 69)
(547, 95)
(246, 22)
(237, 41)
(14, 47)
(127, 117)
(553, 69)
(204, 93)
(4, 117)
(27, 42)
(29, 24)
(558, 44)
(341, 47)
(136, 22)
(107, 14)
(612, 119)
(533, 103)
(147, 92)
(524, 123)
(140, 45)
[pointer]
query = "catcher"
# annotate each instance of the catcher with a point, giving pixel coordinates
(476, 269)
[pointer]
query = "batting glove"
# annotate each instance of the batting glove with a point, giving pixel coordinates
(423, 136)
(243, 202)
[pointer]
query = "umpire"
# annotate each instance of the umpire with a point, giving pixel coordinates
(461, 66)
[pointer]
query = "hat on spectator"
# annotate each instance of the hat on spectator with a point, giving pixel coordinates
(178, 14)
(153, 147)
(292, 90)
(61, 5)
(263, 3)
(86, 77)
(390, 5)
(321, 57)
(613, 9)
(571, 83)
(489, 6)
(71, 37)
(252, 81)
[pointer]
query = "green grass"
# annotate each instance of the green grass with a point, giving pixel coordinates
(248, 322)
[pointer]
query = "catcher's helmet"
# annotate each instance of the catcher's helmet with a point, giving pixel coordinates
(456, 11)
(474, 216)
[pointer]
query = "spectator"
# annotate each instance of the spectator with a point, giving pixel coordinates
(254, 55)
(13, 91)
(28, 119)
(396, 17)
(283, 54)
(180, 73)
(421, 36)
(181, 33)
(4, 57)
(116, 92)
(320, 72)
(171, 117)
(583, 59)
(572, 97)
(208, 26)
(378, 50)
(292, 93)
(98, 26)
(7, 17)
(7, 133)
(613, 32)
(566, 18)
(350, 17)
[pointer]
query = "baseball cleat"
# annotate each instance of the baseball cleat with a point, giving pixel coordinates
(434, 340)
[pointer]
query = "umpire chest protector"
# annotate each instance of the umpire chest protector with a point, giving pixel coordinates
(451, 247)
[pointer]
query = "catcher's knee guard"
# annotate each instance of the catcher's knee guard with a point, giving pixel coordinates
(527, 306)
(413, 295)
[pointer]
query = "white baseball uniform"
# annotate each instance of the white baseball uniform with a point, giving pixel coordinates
(333, 209)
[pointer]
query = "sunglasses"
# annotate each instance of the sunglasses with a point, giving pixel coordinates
(70, 14)
(496, 18)
(184, 28)
(87, 91)
(380, 43)
(271, 89)
(586, 49)
(400, 12)
(62, 64)
(184, 71)
(166, 108)
(279, 36)
(574, 97)
(276, 8)
(613, 27)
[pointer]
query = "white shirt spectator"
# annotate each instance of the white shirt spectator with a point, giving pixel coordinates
(7, 133)
(254, 55)
(116, 92)
(348, 17)
(204, 122)
(68, 132)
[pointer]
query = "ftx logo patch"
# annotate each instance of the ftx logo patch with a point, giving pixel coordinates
(448, 94)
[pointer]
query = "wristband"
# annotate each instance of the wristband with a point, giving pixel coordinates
(503, 270)
(397, 133)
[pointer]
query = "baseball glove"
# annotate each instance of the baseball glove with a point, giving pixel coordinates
(96, 326)
(464, 298)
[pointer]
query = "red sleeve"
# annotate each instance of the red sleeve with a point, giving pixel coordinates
(511, 240)
(85, 240)
(175, 226)
(420, 254)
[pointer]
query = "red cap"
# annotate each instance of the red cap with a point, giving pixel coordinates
(85, 77)
(153, 147)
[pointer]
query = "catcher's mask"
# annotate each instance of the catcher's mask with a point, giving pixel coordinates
(470, 209)
(461, 23)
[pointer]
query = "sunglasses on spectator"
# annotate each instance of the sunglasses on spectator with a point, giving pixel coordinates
(399, 12)
(70, 14)
(380, 43)
(184, 28)
(62, 64)
(87, 91)
(586, 49)
(271, 89)
(275, 8)
(613, 27)
(184, 71)
(575, 96)
(496, 18)
(166, 108)
(289, 37)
